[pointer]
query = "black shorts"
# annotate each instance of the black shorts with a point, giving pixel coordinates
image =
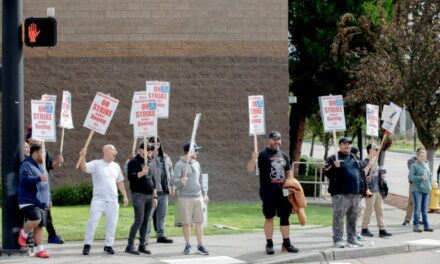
(33, 213)
(276, 205)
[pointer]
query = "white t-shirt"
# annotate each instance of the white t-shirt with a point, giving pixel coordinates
(104, 176)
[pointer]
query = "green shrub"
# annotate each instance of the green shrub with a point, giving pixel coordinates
(73, 194)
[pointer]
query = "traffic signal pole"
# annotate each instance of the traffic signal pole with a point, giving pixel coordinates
(12, 123)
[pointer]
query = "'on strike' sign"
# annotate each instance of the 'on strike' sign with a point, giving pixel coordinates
(43, 120)
(66, 111)
(160, 91)
(372, 120)
(101, 113)
(257, 124)
(332, 112)
(145, 118)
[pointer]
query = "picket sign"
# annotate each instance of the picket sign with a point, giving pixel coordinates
(99, 117)
(65, 116)
(193, 140)
(159, 91)
(43, 123)
(332, 114)
(372, 117)
(257, 122)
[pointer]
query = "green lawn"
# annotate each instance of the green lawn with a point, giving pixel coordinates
(71, 221)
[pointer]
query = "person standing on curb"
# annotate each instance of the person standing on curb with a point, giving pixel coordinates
(33, 199)
(144, 197)
(344, 173)
(51, 163)
(192, 194)
(107, 178)
(421, 177)
(410, 204)
(375, 201)
(165, 188)
(275, 168)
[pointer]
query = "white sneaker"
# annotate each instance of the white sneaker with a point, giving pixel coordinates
(339, 244)
(360, 238)
(354, 244)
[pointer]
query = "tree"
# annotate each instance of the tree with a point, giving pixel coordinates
(404, 67)
(312, 27)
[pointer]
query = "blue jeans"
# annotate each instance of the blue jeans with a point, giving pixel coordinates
(161, 214)
(421, 205)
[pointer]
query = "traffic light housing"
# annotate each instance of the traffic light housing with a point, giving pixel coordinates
(40, 32)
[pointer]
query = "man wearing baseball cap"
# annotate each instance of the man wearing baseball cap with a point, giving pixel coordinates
(193, 192)
(344, 172)
(275, 168)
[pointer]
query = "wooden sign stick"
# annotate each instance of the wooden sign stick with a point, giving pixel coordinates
(62, 142)
(85, 146)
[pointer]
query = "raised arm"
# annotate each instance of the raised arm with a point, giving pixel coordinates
(250, 166)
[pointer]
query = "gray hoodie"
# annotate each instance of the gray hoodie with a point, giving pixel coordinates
(194, 186)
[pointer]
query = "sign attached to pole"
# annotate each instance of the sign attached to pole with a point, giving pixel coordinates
(160, 92)
(145, 118)
(332, 112)
(390, 117)
(66, 111)
(43, 120)
(101, 113)
(257, 124)
(139, 95)
(372, 120)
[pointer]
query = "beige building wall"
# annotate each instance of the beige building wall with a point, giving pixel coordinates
(215, 53)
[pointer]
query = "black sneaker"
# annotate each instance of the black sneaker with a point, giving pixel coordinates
(270, 250)
(109, 250)
(164, 240)
(366, 233)
(405, 222)
(131, 250)
(202, 250)
(86, 249)
(55, 240)
(384, 233)
(289, 248)
(144, 250)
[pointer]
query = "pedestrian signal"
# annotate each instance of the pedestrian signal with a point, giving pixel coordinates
(40, 32)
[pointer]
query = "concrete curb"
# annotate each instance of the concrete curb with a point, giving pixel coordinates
(340, 254)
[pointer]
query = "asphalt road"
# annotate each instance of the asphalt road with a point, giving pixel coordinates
(395, 164)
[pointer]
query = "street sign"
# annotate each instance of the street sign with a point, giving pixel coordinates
(40, 32)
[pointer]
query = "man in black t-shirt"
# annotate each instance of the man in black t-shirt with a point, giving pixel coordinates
(275, 168)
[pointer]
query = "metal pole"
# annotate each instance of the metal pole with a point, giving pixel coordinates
(12, 122)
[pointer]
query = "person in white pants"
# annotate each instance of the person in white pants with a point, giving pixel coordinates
(107, 178)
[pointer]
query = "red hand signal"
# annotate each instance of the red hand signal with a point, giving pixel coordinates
(33, 32)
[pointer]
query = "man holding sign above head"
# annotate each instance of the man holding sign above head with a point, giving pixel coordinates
(192, 193)
(275, 169)
(144, 196)
(344, 173)
(107, 179)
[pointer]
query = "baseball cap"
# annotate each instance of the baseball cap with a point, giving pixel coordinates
(274, 134)
(344, 140)
(187, 146)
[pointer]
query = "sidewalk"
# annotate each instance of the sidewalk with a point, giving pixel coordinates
(315, 245)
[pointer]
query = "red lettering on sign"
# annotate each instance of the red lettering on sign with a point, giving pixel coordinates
(105, 103)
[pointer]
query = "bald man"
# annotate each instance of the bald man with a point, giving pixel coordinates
(107, 178)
